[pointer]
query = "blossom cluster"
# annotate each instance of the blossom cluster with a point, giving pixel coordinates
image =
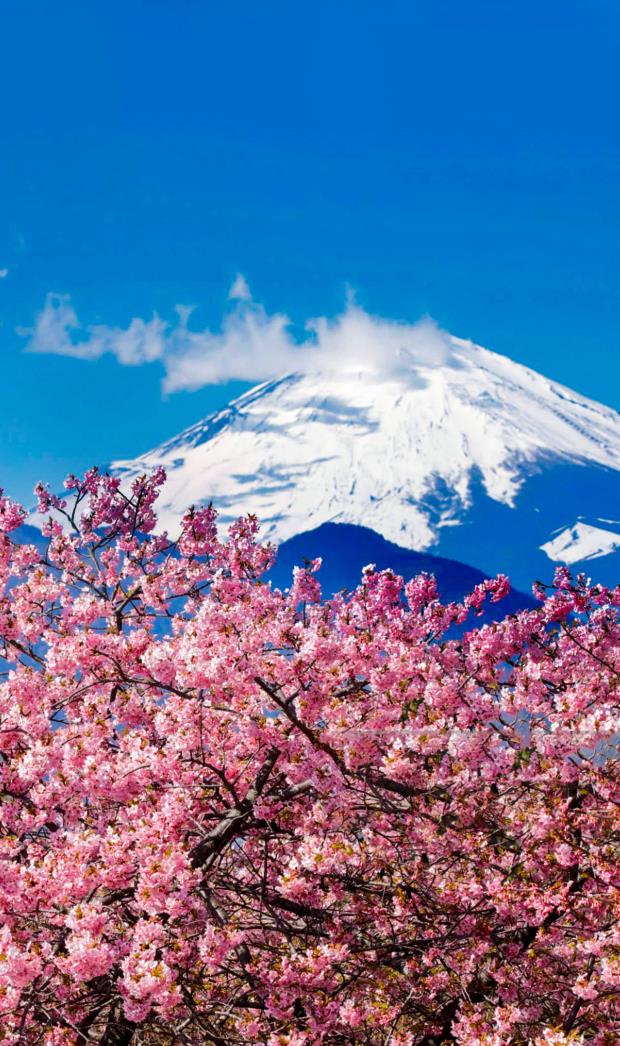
(235, 814)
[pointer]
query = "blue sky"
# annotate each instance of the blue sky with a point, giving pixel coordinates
(460, 160)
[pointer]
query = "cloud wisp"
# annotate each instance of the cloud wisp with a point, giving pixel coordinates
(252, 344)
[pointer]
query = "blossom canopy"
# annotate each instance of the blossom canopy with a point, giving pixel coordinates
(232, 814)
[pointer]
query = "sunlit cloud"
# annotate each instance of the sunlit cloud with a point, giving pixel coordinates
(251, 344)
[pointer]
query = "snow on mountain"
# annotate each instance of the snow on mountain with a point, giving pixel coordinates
(581, 542)
(473, 456)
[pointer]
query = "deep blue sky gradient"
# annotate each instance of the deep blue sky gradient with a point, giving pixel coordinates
(456, 159)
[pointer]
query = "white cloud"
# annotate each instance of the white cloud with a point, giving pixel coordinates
(3, 274)
(252, 345)
(53, 329)
(57, 330)
(239, 290)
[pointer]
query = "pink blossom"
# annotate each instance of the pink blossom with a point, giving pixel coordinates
(290, 819)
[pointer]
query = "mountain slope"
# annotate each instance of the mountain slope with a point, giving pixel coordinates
(583, 541)
(346, 549)
(477, 458)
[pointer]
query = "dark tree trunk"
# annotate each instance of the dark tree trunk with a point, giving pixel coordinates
(120, 1031)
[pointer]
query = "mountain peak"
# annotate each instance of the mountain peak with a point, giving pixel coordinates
(410, 450)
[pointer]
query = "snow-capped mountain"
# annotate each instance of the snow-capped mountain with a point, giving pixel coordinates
(475, 457)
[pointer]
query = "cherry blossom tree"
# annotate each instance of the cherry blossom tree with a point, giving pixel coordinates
(231, 814)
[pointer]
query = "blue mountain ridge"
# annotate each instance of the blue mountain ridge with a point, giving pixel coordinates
(345, 549)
